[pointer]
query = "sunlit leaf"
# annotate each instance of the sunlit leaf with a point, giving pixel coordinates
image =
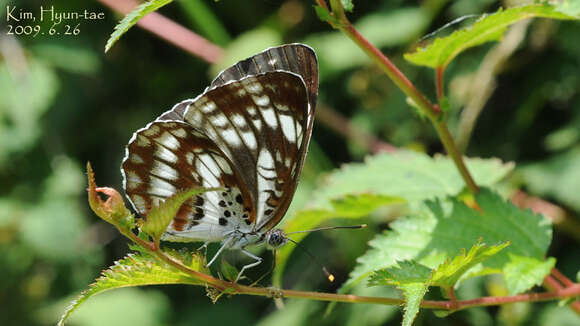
(132, 18)
(160, 216)
(133, 270)
(404, 175)
(414, 279)
(410, 277)
(487, 28)
(409, 175)
(447, 274)
(349, 206)
(522, 273)
(26, 95)
(439, 229)
(117, 308)
(347, 5)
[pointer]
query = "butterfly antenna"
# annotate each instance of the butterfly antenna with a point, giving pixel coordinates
(328, 275)
(362, 226)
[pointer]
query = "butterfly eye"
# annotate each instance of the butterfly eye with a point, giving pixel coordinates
(276, 238)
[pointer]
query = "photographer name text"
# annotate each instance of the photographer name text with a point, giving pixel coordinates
(47, 20)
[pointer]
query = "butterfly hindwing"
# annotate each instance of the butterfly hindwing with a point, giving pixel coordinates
(165, 157)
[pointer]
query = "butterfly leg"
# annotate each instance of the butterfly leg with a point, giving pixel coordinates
(256, 263)
(225, 245)
(204, 247)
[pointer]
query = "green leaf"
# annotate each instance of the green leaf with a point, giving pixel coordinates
(414, 293)
(406, 271)
(438, 229)
(26, 97)
(524, 272)
(412, 278)
(133, 270)
(347, 5)
(160, 216)
(447, 274)
(569, 7)
(323, 14)
(409, 175)
(349, 206)
(487, 28)
(132, 18)
(117, 308)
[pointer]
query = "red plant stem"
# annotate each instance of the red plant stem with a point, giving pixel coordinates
(562, 278)
(419, 100)
(234, 288)
(439, 83)
(453, 304)
(322, 3)
(452, 298)
(170, 31)
(569, 292)
(553, 285)
(391, 71)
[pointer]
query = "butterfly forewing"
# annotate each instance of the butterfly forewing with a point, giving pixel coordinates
(260, 123)
(297, 58)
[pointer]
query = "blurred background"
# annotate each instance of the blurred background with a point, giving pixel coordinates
(64, 102)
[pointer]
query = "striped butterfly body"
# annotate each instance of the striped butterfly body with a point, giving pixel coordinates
(248, 134)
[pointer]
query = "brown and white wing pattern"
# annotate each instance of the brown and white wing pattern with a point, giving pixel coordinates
(167, 156)
(247, 133)
(261, 123)
(297, 58)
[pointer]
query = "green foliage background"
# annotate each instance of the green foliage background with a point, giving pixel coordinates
(64, 102)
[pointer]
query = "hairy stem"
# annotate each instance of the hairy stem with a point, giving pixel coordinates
(423, 104)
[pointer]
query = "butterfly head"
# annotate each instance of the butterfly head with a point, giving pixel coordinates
(276, 238)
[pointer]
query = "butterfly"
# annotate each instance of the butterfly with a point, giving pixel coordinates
(248, 134)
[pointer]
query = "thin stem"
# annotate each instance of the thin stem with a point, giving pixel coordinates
(529, 297)
(453, 152)
(423, 104)
(439, 83)
(561, 277)
(559, 292)
(553, 285)
(452, 298)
